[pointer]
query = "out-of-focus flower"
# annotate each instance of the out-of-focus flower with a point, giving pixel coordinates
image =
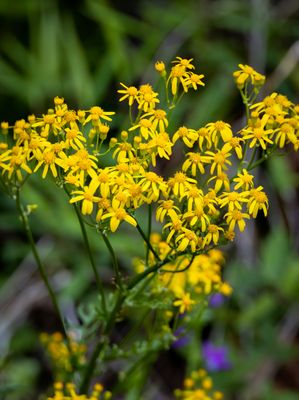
(216, 357)
(216, 300)
(182, 339)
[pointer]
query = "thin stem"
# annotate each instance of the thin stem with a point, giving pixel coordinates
(134, 281)
(121, 296)
(130, 115)
(41, 268)
(149, 231)
(149, 246)
(258, 162)
(180, 270)
(118, 276)
(102, 343)
(166, 89)
(252, 158)
(91, 259)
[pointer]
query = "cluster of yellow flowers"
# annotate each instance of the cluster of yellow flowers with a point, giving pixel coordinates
(200, 205)
(68, 392)
(65, 356)
(199, 386)
(199, 276)
(190, 201)
(247, 75)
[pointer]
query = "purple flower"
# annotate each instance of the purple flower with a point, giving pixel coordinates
(181, 338)
(216, 357)
(216, 300)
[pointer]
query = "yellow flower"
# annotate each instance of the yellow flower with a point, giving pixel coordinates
(198, 216)
(82, 164)
(243, 180)
(13, 161)
(219, 160)
(87, 195)
(258, 135)
(179, 183)
(194, 80)
(234, 144)
(235, 216)
(145, 126)
(233, 200)
(147, 98)
(212, 235)
(102, 180)
(210, 200)
(184, 62)
(68, 392)
(258, 200)
(74, 138)
(194, 197)
(185, 239)
(48, 123)
(221, 180)
(204, 138)
(174, 226)
(185, 303)
(117, 215)
(35, 146)
(178, 75)
(285, 133)
(160, 67)
(50, 159)
(129, 92)
(195, 162)
(166, 208)
(124, 152)
(96, 114)
(158, 119)
(152, 185)
(219, 128)
(136, 195)
(273, 106)
(247, 74)
(188, 136)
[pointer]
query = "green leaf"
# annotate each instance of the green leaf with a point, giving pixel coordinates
(275, 255)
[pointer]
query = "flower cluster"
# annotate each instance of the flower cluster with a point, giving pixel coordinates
(66, 356)
(183, 278)
(199, 386)
(198, 206)
(201, 204)
(247, 75)
(68, 392)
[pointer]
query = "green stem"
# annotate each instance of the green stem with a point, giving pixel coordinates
(118, 276)
(134, 281)
(91, 259)
(102, 343)
(121, 296)
(246, 103)
(166, 90)
(180, 270)
(41, 268)
(145, 238)
(258, 162)
(252, 158)
(149, 231)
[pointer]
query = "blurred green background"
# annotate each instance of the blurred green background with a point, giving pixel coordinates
(81, 50)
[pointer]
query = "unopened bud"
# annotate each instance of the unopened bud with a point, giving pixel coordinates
(113, 142)
(124, 135)
(160, 67)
